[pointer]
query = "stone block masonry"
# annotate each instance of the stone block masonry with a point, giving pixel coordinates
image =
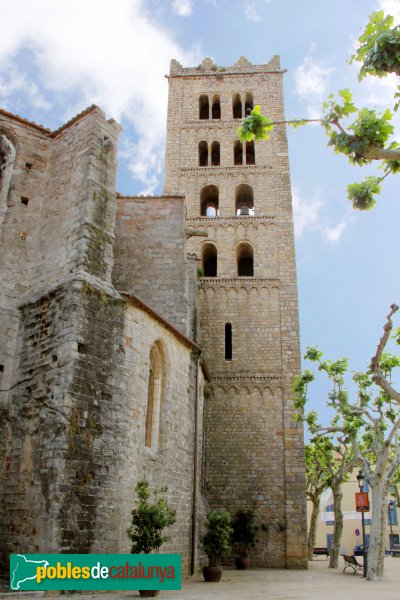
(248, 319)
(75, 353)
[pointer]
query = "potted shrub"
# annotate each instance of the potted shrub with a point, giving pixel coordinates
(216, 543)
(244, 535)
(149, 519)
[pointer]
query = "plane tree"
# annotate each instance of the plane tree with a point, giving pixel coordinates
(363, 135)
(370, 423)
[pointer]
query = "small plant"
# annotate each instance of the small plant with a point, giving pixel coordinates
(245, 530)
(149, 519)
(216, 541)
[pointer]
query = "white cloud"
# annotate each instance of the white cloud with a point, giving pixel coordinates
(183, 8)
(308, 216)
(311, 81)
(112, 55)
(391, 7)
(334, 233)
(305, 212)
(252, 14)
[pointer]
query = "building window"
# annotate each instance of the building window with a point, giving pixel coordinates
(248, 103)
(330, 509)
(204, 107)
(203, 154)
(216, 107)
(228, 341)
(154, 399)
(244, 200)
(237, 153)
(237, 106)
(209, 200)
(393, 515)
(215, 154)
(250, 153)
(245, 261)
(209, 260)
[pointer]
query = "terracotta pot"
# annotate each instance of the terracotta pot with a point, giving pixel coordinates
(242, 562)
(149, 593)
(212, 574)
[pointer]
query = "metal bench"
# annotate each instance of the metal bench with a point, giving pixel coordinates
(351, 561)
(321, 552)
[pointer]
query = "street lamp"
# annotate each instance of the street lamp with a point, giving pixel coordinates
(390, 521)
(361, 483)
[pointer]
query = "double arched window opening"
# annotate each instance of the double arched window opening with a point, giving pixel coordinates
(244, 153)
(215, 154)
(204, 107)
(241, 109)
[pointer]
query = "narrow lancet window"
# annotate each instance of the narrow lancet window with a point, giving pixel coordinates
(228, 341)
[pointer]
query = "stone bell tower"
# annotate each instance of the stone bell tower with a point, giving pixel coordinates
(248, 317)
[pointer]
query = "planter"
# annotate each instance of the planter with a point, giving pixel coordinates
(149, 593)
(212, 574)
(242, 563)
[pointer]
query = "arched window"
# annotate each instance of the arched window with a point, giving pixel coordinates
(250, 153)
(215, 154)
(216, 107)
(204, 107)
(209, 260)
(237, 153)
(154, 399)
(209, 200)
(203, 154)
(248, 103)
(237, 106)
(245, 260)
(244, 200)
(228, 341)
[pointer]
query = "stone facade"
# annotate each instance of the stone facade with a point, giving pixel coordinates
(241, 196)
(103, 322)
(75, 353)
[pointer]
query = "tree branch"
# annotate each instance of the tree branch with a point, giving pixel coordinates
(378, 376)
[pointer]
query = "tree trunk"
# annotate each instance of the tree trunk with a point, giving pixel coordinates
(376, 552)
(338, 528)
(312, 532)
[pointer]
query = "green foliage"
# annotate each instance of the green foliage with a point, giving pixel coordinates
(216, 541)
(367, 137)
(245, 530)
(149, 519)
(255, 126)
(362, 194)
(379, 47)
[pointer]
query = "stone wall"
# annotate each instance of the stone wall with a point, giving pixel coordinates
(254, 450)
(150, 257)
(74, 353)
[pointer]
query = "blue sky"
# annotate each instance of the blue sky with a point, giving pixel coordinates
(59, 56)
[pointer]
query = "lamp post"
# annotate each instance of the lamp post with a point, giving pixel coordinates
(361, 483)
(390, 521)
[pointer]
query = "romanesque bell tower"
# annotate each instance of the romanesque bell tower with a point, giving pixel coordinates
(248, 316)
